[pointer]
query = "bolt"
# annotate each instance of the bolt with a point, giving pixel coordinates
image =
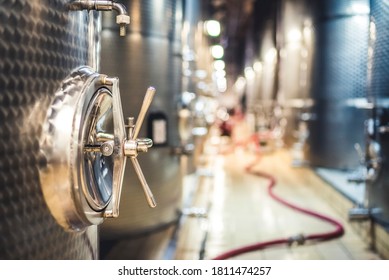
(107, 148)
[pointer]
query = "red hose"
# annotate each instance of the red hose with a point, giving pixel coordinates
(299, 239)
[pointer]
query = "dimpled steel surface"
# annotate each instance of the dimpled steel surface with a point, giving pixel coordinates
(41, 42)
(339, 79)
(379, 94)
(380, 46)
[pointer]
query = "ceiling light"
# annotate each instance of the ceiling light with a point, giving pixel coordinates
(217, 51)
(212, 27)
(219, 65)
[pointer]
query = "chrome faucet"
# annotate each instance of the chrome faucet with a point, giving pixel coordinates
(122, 19)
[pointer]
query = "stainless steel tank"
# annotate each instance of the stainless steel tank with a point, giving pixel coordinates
(261, 70)
(339, 81)
(295, 35)
(378, 96)
(150, 54)
(41, 43)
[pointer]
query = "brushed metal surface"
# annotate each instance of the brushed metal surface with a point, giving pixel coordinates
(147, 56)
(40, 44)
(150, 18)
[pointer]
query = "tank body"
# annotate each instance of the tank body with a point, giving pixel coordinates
(41, 43)
(336, 123)
(149, 55)
(378, 95)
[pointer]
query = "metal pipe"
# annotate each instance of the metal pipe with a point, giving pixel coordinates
(119, 8)
(122, 19)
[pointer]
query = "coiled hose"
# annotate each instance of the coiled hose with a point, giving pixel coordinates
(298, 239)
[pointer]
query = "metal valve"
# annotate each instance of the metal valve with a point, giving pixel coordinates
(129, 147)
(84, 147)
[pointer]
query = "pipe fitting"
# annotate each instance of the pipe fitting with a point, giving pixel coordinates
(122, 19)
(298, 239)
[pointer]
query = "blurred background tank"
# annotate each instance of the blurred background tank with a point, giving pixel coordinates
(149, 55)
(336, 123)
(261, 69)
(296, 51)
(197, 102)
(41, 43)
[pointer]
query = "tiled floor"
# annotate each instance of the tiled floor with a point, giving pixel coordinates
(340, 180)
(240, 212)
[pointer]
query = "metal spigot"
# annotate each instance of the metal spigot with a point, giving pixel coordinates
(122, 19)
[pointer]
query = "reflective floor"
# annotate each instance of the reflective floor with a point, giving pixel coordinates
(227, 208)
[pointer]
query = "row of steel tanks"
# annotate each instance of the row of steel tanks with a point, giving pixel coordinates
(316, 78)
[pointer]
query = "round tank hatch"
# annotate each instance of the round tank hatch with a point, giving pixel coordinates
(76, 173)
(84, 147)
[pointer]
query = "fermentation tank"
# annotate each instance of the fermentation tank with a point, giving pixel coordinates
(295, 36)
(336, 124)
(378, 96)
(262, 73)
(41, 43)
(150, 54)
